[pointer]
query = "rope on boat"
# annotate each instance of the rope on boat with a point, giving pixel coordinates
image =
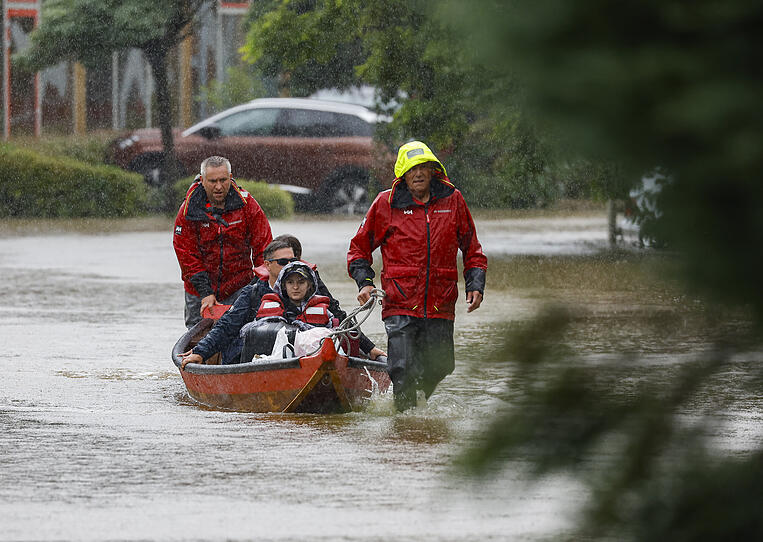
(349, 328)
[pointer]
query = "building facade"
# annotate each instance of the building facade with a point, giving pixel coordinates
(119, 94)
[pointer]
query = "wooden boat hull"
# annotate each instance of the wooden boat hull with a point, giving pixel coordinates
(324, 383)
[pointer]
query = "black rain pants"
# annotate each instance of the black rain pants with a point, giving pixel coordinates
(419, 355)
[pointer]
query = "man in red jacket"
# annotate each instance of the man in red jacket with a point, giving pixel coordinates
(220, 233)
(420, 224)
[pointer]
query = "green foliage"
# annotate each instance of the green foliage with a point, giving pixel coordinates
(492, 152)
(275, 202)
(655, 477)
(89, 30)
(650, 84)
(306, 45)
(40, 185)
(89, 148)
(240, 86)
(645, 85)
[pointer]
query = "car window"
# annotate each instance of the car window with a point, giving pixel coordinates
(305, 123)
(252, 122)
(350, 125)
(312, 123)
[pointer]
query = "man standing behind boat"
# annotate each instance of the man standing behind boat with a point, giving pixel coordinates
(420, 224)
(220, 234)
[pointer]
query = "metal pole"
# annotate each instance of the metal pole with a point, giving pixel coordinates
(6, 74)
(149, 92)
(220, 59)
(115, 91)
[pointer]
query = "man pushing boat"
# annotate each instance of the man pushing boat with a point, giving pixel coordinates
(220, 233)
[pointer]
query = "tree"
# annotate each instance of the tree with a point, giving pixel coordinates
(89, 30)
(652, 84)
(665, 84)
(411, 54)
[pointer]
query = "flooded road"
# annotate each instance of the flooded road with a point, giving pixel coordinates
(99, 440)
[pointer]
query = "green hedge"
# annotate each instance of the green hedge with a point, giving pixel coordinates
(275, 202)
(90, 147)
(37, 185)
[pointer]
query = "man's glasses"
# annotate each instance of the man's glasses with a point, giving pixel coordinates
(282, 261)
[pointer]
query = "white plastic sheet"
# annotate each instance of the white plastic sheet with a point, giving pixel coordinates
(307, 342)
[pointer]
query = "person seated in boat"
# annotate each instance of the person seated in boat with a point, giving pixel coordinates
(262, 270)
(295, 299)
(294, 306)
(224, 337)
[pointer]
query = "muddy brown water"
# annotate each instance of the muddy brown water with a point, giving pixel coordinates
(100, 441)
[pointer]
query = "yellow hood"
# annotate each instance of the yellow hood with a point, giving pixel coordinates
(412, 154)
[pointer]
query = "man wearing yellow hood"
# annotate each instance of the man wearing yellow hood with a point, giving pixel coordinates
(420, 224)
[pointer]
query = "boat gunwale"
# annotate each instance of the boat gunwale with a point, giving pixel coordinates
(253, 366)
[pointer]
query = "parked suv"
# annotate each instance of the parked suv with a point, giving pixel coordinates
(320, 151)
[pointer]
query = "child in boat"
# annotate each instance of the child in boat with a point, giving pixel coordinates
(293, 305)
(295, 299)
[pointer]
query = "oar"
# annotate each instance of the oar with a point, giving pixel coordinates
(215, 311)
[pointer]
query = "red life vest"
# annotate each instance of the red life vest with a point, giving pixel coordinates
(316, 311)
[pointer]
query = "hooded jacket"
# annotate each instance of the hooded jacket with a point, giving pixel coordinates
(419, 244)
(217, 250)
(313, 310)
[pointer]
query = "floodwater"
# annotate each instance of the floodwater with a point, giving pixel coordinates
(100, 441)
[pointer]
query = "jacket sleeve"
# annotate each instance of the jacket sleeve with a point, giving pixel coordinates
(365, 344)
(475, 261)
(260, 234)
(226, 329)
(188, 254)
(372, 230)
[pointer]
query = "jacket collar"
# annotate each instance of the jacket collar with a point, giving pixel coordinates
(400, 197)
(197, 203)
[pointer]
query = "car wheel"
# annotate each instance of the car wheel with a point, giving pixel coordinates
(345, 194)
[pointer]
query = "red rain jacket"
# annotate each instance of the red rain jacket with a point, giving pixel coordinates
(419, 245)
(217, 254)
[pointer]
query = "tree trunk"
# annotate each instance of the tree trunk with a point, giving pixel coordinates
(169, 171)
(612, 223)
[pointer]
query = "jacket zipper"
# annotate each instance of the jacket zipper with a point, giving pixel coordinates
(429, 260)
(220, 270)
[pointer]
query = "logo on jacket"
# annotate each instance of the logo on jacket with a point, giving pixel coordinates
(408, 212)
(178, 230)
(205, 224)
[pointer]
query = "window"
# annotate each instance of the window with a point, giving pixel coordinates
(350, 125)
(253, 122)
(312, 123)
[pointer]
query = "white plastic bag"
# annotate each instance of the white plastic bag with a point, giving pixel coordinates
(281, 341)
(307, 342)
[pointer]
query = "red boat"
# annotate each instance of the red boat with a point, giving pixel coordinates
(326, 382)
